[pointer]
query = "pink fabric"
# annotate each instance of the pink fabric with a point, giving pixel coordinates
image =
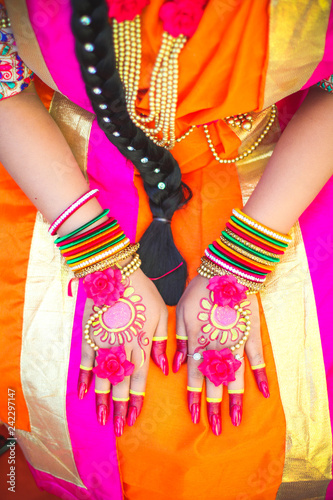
(51, 24)
(324, 68)
(94, 446)
(317, 229)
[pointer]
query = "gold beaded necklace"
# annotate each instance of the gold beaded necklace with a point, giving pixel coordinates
(163, 89)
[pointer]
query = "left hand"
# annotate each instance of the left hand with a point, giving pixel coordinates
(199, 330)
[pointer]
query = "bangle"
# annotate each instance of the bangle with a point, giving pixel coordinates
(79, 229)
(71, 209)
(254, 231)
(107, 247)
(104, 264)
(260, 227)
(232, 238)
(101, 256)
(233, 269)
(208, 269)
(82, 238)
(254, 238)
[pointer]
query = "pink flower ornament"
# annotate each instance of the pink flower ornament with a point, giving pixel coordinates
(219, 366)
(181, 17)
(226, 290)
(104, 287)
(113, 365)
(125, 10)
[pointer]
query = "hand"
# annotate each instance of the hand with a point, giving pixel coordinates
(132, 323)
(203, 327)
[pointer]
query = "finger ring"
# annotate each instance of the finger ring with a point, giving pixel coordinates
(196, 356)
(239, 357)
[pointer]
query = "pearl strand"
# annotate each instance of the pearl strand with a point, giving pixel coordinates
(250, 150)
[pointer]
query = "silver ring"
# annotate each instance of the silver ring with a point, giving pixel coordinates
(239, 357)
(196, 356)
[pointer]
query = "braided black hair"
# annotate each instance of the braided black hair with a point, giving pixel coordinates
(158, 169)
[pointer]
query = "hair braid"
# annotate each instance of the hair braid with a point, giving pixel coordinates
(157, 167)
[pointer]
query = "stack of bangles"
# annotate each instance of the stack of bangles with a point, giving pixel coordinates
(89, 250)
(246, 249)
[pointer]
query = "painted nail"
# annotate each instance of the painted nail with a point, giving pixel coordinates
(82, 390)
(132, 415)
(102, 412)
(177, 361)
(236, 415)
(264, 389)
(164, 364)
(195, 413)
(215, 422)
(118, 426)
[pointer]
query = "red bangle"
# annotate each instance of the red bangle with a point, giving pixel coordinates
(71, 209)
(239, 259)
(87, 233)
(252, 240)
(88, 244)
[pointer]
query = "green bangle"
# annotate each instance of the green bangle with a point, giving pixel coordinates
(73, 233)
(87, 237)
(94, 252)
(253, 231)
(248, 249)
(234, 263)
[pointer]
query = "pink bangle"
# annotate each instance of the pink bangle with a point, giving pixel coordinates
(233, 269)
(71, 209)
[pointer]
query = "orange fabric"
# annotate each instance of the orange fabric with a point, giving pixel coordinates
(221, 66)
(17, 219)
(165, 427)
(233, 54)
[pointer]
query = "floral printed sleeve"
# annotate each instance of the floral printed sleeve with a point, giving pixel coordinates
(14, 75)
(326, 84)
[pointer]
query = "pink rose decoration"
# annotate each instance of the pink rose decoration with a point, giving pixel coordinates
(113, 365)
(181, 17)
(125, 10)
(219, 366)
(227, 291)
(104, 287)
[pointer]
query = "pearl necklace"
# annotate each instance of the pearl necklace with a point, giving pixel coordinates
(163, 89)
(159, 124)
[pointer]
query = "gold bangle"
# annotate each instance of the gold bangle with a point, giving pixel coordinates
(208, 270)
(250, 245)
(249, 255)
(104, 264)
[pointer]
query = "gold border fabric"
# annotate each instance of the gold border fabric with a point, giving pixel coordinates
(290, 311)
(47, 326)
(75, 125)
(46, 339)
(26, 41)
(297, 32)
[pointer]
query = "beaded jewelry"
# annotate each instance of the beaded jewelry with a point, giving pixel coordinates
(71, 209)
(247, 249)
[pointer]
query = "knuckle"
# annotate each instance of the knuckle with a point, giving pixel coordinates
(138, 377)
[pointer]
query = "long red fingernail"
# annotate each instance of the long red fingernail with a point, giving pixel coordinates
(177, 361)
(82, 390)
(263, 386)
(102, 412)
(164, 364)
(118, 426)
(215, 423)
(132, 415)
(195, 413)
(236, 415)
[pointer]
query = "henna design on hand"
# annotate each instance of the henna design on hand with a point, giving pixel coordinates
(122, 322)
(222, 323)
